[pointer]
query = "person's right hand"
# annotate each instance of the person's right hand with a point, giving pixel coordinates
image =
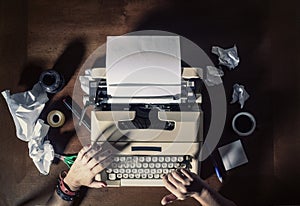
(182, 184)
(89, 162)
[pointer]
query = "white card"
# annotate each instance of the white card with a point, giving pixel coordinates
(233, 155)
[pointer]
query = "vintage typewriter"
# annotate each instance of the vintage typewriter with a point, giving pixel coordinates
(152, 135)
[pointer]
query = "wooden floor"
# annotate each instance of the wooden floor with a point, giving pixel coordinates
(37, 35)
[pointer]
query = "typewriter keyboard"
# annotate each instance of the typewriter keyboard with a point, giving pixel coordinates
(145, 167)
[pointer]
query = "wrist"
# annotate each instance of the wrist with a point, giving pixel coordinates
(196, 196)
(201, 192)
(65, 191)
(71, 183)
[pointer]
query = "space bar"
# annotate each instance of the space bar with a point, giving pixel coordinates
(142, 182)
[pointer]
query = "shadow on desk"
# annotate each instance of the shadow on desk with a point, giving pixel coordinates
(66, 65)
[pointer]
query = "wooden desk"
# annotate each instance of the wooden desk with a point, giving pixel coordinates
(35, 34)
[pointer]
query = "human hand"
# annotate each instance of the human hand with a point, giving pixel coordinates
(90, 161)
(182, 184)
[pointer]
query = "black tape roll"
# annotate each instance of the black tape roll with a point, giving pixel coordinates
(51, 81)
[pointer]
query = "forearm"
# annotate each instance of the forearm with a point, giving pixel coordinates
(55, 200)
(209, 197)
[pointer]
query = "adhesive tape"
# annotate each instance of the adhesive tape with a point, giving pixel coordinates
(252, 119)
(51, 81)
(56, 118)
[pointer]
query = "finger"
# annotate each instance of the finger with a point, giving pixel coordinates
(92, 163)
(106, 162)
(89, 155)
(98, 158)
(102, 155)
(187, 174)
(96, 146)
(82, 152)
(102, 165)
(174, 180)
(168, 199)
(181, 178)
(96, 184)
(109, 146)
(178, 184)
(170, 186)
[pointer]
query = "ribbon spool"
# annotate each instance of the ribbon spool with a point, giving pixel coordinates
(56, 118)
(248, 130)
(51, 81)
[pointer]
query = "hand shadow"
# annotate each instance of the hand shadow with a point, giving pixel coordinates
(31, 74)
(70, 59)
(66, 65)
(111, 139)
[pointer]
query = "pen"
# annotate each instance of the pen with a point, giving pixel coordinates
(215, 165)
(218, 174)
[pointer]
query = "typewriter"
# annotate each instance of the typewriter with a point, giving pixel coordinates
(152, 135)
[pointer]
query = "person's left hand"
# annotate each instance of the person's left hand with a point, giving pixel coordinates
(89, 162)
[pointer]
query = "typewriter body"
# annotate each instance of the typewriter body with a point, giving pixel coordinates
(151, 135)
(152, 139)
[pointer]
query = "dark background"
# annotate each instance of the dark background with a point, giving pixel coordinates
(38, 35)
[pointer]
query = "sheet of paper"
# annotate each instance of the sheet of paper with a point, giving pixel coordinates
(233, 155)
(143, 66)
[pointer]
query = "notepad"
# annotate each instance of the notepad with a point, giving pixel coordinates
(233, 155)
